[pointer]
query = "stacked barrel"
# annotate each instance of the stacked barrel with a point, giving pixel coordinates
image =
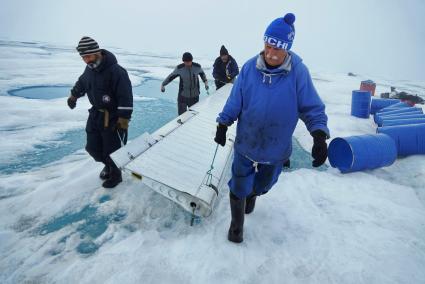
(406, 125)
(400, 132)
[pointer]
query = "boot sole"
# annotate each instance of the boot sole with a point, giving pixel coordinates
(238, 241)
(111, 186)
(234, 239)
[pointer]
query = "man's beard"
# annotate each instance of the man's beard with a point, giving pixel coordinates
(94, 64)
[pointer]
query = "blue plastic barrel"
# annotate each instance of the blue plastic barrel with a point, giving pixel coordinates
(360, 104)
(399, 110)
(404, 121)
(381, 119)
(378, 104)
(411, 110)
(395, 106)
(356, 153)
(410, 139)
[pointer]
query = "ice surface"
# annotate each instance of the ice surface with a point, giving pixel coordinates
(57, 224)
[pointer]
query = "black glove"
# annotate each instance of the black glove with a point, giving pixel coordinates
(220, 135)
(287, 164)
(72, 102)
(319, 152)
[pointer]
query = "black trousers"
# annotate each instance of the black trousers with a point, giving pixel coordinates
(184, 103)
(101, 141)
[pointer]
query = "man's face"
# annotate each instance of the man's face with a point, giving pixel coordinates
(274, 56)
(224, 58)
(187, 63)
(89, 58)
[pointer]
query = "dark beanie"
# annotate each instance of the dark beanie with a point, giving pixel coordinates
(187, 56)
(223, 51)
(87, 45)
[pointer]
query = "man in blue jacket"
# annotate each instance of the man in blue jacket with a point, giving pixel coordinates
(225, 68)
(109, 91)
(273, 90)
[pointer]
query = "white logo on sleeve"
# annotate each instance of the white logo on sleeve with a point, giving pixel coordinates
(106, 99)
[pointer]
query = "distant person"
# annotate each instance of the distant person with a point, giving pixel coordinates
(109, 90)
(273, 91)
(225, 68)
(189, 89)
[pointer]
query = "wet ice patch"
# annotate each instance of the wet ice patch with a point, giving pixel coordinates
(89, 223)
(87, 247)
(104, 198)
(43, 154)
(24, 222)
(301, 158)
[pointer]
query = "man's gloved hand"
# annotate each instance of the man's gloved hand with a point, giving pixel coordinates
(319, 152)
(72, 101)
(122, 123)
(206, 86)
(220, 135)
(287, 164)
(229, 79)
(162, 88)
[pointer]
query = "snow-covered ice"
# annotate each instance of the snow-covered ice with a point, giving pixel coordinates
(57, 224)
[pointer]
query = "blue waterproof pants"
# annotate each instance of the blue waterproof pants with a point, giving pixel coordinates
(245, 179)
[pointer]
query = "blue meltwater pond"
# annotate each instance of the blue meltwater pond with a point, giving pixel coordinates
(42, 92)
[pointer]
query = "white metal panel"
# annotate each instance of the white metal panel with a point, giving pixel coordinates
(177, 162)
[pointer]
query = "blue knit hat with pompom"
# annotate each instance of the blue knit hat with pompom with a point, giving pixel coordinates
(281, 32)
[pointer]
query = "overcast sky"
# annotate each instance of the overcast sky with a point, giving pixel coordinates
(376, 37)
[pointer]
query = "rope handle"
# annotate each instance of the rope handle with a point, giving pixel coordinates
(209, 172)
(121, 139)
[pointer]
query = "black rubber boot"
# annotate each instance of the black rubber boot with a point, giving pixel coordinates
(115, 176)
(237, 207)
(104, 174)
(250, 203)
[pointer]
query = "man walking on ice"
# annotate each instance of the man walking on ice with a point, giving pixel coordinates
(273, 90)
(109, 91)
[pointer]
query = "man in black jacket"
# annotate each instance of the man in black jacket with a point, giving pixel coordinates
(225, 68)
(109, 90)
